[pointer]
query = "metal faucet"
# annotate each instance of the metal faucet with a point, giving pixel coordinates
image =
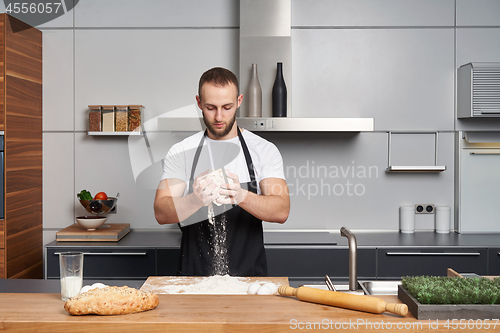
(353, 249)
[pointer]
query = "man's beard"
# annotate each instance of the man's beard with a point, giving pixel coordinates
(223, 132)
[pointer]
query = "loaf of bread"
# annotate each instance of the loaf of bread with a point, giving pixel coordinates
(111, 301)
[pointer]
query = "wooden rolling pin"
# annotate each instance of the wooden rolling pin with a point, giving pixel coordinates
(344, 300)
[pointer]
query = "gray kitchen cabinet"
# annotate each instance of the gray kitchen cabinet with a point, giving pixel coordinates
(106, 263)
(310, 262)
(494, 261)
(477, 184)
(397, 262)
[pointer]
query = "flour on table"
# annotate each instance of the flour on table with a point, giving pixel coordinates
(215, 285)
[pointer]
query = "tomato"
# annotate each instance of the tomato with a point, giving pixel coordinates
(101, 196)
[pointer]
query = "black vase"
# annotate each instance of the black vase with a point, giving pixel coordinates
(279, 93)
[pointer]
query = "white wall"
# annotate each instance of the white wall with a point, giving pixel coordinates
(391, 60)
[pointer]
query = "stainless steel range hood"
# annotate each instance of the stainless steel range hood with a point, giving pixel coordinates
(265, 39)
(276, 124)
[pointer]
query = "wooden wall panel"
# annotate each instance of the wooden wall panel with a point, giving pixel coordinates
(2, 234)
(2, 71)
(23, 51)
(25, 210)
(23, 179)
(2, 264)
(2, 122)
(23, 109)
(24, 255)
(22, 160)
(19, 200)
(23, 152)
(19, 147)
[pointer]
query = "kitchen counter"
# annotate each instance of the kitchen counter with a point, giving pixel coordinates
(424, 239)
(208, 313)
(302, 256)
(172, 239)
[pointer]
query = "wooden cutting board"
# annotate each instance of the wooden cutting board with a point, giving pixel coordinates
(452, 273)
(157, 284)
(111, 232)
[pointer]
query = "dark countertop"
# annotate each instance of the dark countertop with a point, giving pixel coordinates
(423, 239)
(367, 240)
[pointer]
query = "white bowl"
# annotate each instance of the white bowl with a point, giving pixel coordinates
(91, 222)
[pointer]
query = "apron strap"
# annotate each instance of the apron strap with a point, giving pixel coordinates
(195, 162)
(248, 158)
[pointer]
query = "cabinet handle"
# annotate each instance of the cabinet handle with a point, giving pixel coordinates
(484, 153)
(433, 253)
(110, 253)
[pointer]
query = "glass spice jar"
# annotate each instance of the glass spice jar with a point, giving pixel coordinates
(95, 120)
(135, 117)
(121, 118)
(108, 118)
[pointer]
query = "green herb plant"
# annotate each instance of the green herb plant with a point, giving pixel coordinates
(452, 290)
(84, 195)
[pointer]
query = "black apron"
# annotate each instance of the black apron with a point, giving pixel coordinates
(233, 244)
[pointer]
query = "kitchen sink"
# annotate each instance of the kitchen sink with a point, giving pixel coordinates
(380, 287)
(365, 287)
(344, 288)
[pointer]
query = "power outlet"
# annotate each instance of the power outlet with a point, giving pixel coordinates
(424, 209)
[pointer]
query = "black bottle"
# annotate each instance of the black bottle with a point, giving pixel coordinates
(279, 93)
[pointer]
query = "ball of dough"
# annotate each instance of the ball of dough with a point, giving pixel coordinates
(272, 286)
(98, 285)
(85, 289)
(252, 289)
(264, 290)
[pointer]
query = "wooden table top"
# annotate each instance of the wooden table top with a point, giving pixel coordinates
(207, 313)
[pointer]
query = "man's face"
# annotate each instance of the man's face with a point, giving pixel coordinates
(219, 105)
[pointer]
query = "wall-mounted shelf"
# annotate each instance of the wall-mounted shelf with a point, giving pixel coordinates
(114, 133)
(276, 124)
(421, 168)
(115, 120)
(415, 168)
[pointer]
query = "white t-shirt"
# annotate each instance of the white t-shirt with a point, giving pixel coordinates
(228, 154)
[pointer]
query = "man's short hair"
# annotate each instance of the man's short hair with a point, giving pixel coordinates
(219, 77)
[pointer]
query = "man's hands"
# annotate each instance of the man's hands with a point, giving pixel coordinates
(212, 188)
(272, 205)
(232, 193)
(205, 188)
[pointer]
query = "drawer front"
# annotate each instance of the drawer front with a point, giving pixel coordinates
(167, 261)
(304, 262)
(104, 263)
(494, 262)
(395, 263)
